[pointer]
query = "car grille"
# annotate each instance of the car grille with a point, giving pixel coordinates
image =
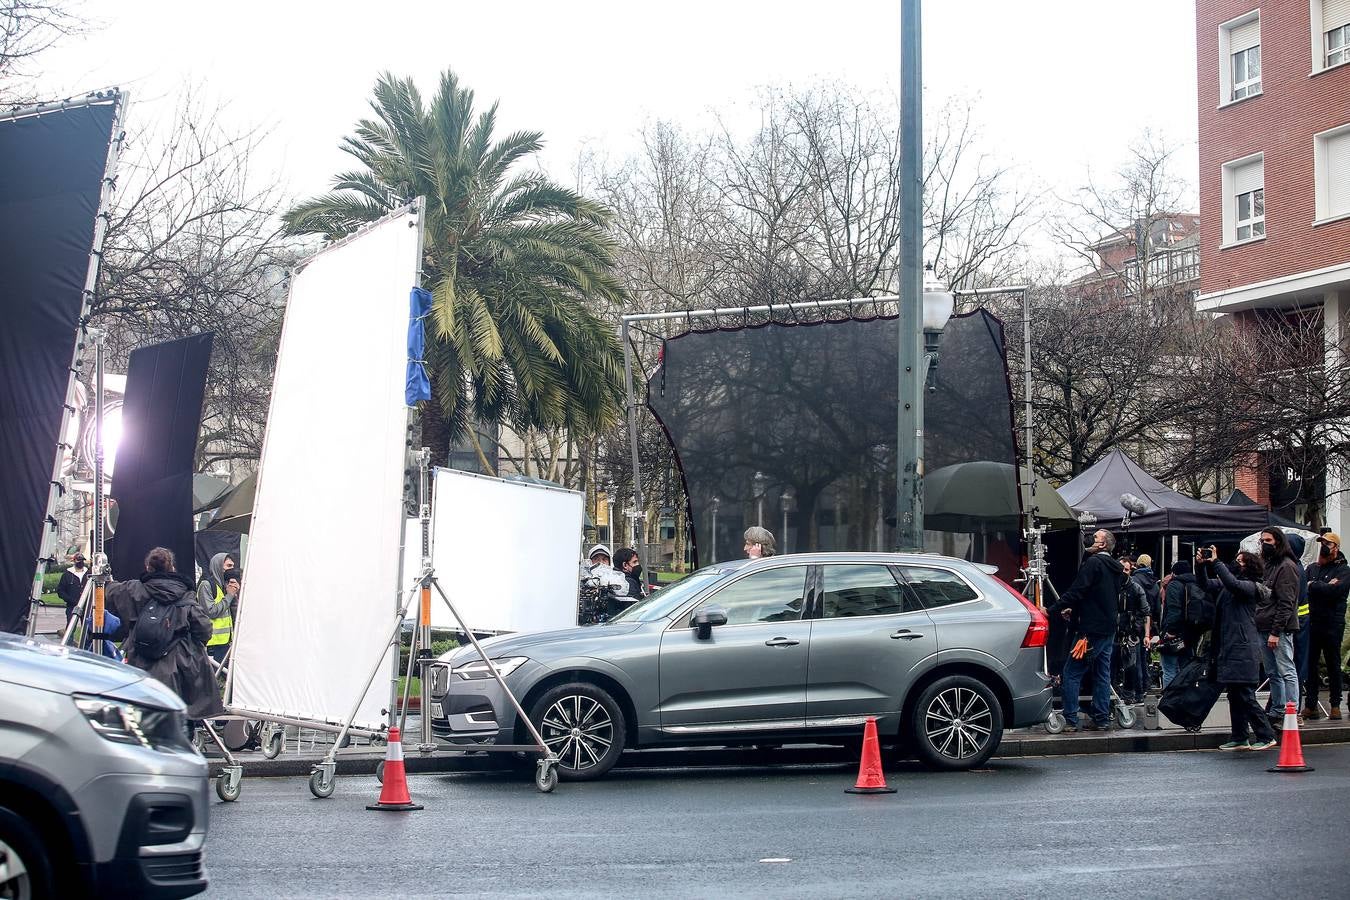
(440, 680)
(179, 867)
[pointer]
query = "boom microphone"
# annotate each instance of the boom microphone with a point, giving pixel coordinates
(1133, 504)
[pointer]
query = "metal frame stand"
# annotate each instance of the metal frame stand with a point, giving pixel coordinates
(101, 219)
(324, 774)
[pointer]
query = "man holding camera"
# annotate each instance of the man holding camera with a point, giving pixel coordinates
(1089, 606)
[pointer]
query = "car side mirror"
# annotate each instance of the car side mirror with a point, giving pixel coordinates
(706, 617)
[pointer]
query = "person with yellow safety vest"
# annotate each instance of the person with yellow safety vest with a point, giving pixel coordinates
(218, 604)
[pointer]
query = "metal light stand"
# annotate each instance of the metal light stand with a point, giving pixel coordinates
(324, 774)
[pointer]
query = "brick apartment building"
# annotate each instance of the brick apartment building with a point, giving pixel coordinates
(1274, 117)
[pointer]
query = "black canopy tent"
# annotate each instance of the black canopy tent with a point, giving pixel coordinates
(1098, 491)
(1238, 498)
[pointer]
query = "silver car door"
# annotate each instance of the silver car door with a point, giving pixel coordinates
(871, 635)
(750, 671)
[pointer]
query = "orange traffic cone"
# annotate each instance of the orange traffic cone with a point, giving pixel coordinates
(1291, 745)
(394, 793)
(870, 777)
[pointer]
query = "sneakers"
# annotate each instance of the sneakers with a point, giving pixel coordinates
(1235, 745)
(1312, 712)
(1334, 712)
(1258, 744)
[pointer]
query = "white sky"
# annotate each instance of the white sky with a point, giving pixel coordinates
(1061, 85)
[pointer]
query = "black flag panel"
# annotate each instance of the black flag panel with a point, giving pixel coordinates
(152, 480)
(795, 424)
(51, 175)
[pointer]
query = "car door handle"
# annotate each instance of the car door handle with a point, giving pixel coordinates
(904, 634)
(781, 642)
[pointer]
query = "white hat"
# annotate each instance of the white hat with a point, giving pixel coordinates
(599, 548)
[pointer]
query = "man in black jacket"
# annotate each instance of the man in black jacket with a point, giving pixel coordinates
(1328, 587)
(71, 586)
(626, 562)
(1089, 606)
(1277, 619)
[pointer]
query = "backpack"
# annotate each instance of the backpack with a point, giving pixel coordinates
(158, 628)
(1129, 615)
(1197, 609)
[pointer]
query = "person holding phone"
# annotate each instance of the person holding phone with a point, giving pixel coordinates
(1235, 651)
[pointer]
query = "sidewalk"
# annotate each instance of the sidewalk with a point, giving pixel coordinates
(1025, 742)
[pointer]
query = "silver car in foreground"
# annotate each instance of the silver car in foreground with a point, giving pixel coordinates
(101, 793)
(792, 648)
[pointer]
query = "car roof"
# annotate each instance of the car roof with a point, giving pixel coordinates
(841, 556)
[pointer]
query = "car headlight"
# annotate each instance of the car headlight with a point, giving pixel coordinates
(130, 723)
(478, 669)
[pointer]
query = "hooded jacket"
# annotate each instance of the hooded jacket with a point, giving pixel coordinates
(185, 669)
(1279, 614)
(1146, 579)
(212, 586)
(1093, 595)
(1328, 600)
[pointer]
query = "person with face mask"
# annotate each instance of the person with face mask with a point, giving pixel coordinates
(1089, 606)
(1277, 619)
(1328, 587)
(1235, 651)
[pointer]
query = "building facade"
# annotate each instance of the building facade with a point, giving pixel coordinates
(1274, 148)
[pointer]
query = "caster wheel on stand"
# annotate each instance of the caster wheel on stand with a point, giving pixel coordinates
(546, 777)
(1055, 724)
(272, 744)
(321, 787)
(1125, 716)
(379, 771)
(227, 789)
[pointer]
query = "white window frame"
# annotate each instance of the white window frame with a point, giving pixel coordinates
(1254, 223)
(1321, 33)
(1250, 87)
(1321, 175)
(1230, 202)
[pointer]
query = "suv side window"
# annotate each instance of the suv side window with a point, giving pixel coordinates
(938, 587)
(775, 595)
(863, 590)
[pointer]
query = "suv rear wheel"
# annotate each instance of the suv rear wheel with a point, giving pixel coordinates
(25, 871)
(957, 723)
(583, 726)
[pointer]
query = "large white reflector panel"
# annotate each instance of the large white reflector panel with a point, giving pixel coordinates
(318, 596)
(506, 552)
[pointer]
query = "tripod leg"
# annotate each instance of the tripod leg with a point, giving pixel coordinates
(228, 781)
(407, 681)
(501, 682)
(80, 609)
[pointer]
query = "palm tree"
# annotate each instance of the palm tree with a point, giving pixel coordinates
(516, 264)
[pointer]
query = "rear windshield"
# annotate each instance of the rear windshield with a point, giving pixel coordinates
(668, 599)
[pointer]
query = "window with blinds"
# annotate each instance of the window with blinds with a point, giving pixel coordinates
(1331, 152)
(1330, 21)
(1244, 200)
(1240, 58)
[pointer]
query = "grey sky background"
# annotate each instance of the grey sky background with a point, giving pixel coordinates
(1060, 87)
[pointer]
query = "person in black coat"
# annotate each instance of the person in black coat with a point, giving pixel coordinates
(626, 562)
(1235, 648)
(1328, 587)
(185, 669)
(1089, 606)
(1176, 637)
(71, 586)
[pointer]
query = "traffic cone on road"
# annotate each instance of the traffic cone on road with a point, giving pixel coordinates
(871, 780)
(1291, 745)
(394, 792)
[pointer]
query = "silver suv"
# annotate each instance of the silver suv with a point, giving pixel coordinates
(802, 647)
(101, 792)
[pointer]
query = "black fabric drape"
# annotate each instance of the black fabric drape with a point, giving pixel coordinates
(811, 410)
(51, 173)
(152, 481)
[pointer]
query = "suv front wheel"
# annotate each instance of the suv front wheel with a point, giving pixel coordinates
(583, 726)
(25, 871)
(957, 723)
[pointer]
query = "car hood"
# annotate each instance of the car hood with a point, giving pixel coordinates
(578, 638)
(52, 667)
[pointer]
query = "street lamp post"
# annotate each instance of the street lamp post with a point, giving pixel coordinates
(760, 485)
(785, 500)
(909, 427)
(712, 547)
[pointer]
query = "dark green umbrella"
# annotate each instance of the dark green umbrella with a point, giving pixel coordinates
(981, 496)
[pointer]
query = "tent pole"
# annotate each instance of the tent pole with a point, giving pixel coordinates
(640, 544)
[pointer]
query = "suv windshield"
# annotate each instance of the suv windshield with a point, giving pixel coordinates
(668, 599)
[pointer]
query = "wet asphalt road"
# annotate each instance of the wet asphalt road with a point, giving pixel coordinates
(1185, 824)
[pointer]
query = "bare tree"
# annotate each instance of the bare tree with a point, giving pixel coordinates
(27, 28)
(193, 245)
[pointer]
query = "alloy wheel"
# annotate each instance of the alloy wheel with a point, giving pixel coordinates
(579, 731)
(13, 875)
(958, 723)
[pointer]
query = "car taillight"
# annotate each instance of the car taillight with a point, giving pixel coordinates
(1039, 629)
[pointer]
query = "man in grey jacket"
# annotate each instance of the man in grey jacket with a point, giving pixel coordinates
(1277, 620)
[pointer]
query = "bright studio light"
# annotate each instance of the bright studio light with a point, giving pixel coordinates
(112, 436)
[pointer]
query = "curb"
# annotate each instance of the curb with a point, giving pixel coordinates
(1013, 746)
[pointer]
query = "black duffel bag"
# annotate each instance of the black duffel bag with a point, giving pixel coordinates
(1190, 696)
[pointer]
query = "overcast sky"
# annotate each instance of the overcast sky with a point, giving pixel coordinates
(1060, 86)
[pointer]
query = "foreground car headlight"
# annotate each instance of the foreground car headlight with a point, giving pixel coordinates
(130, 723)
(478, 669)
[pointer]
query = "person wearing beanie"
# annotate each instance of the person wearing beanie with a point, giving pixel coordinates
(1142, 575)
(758, 542)
(1328, 588)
